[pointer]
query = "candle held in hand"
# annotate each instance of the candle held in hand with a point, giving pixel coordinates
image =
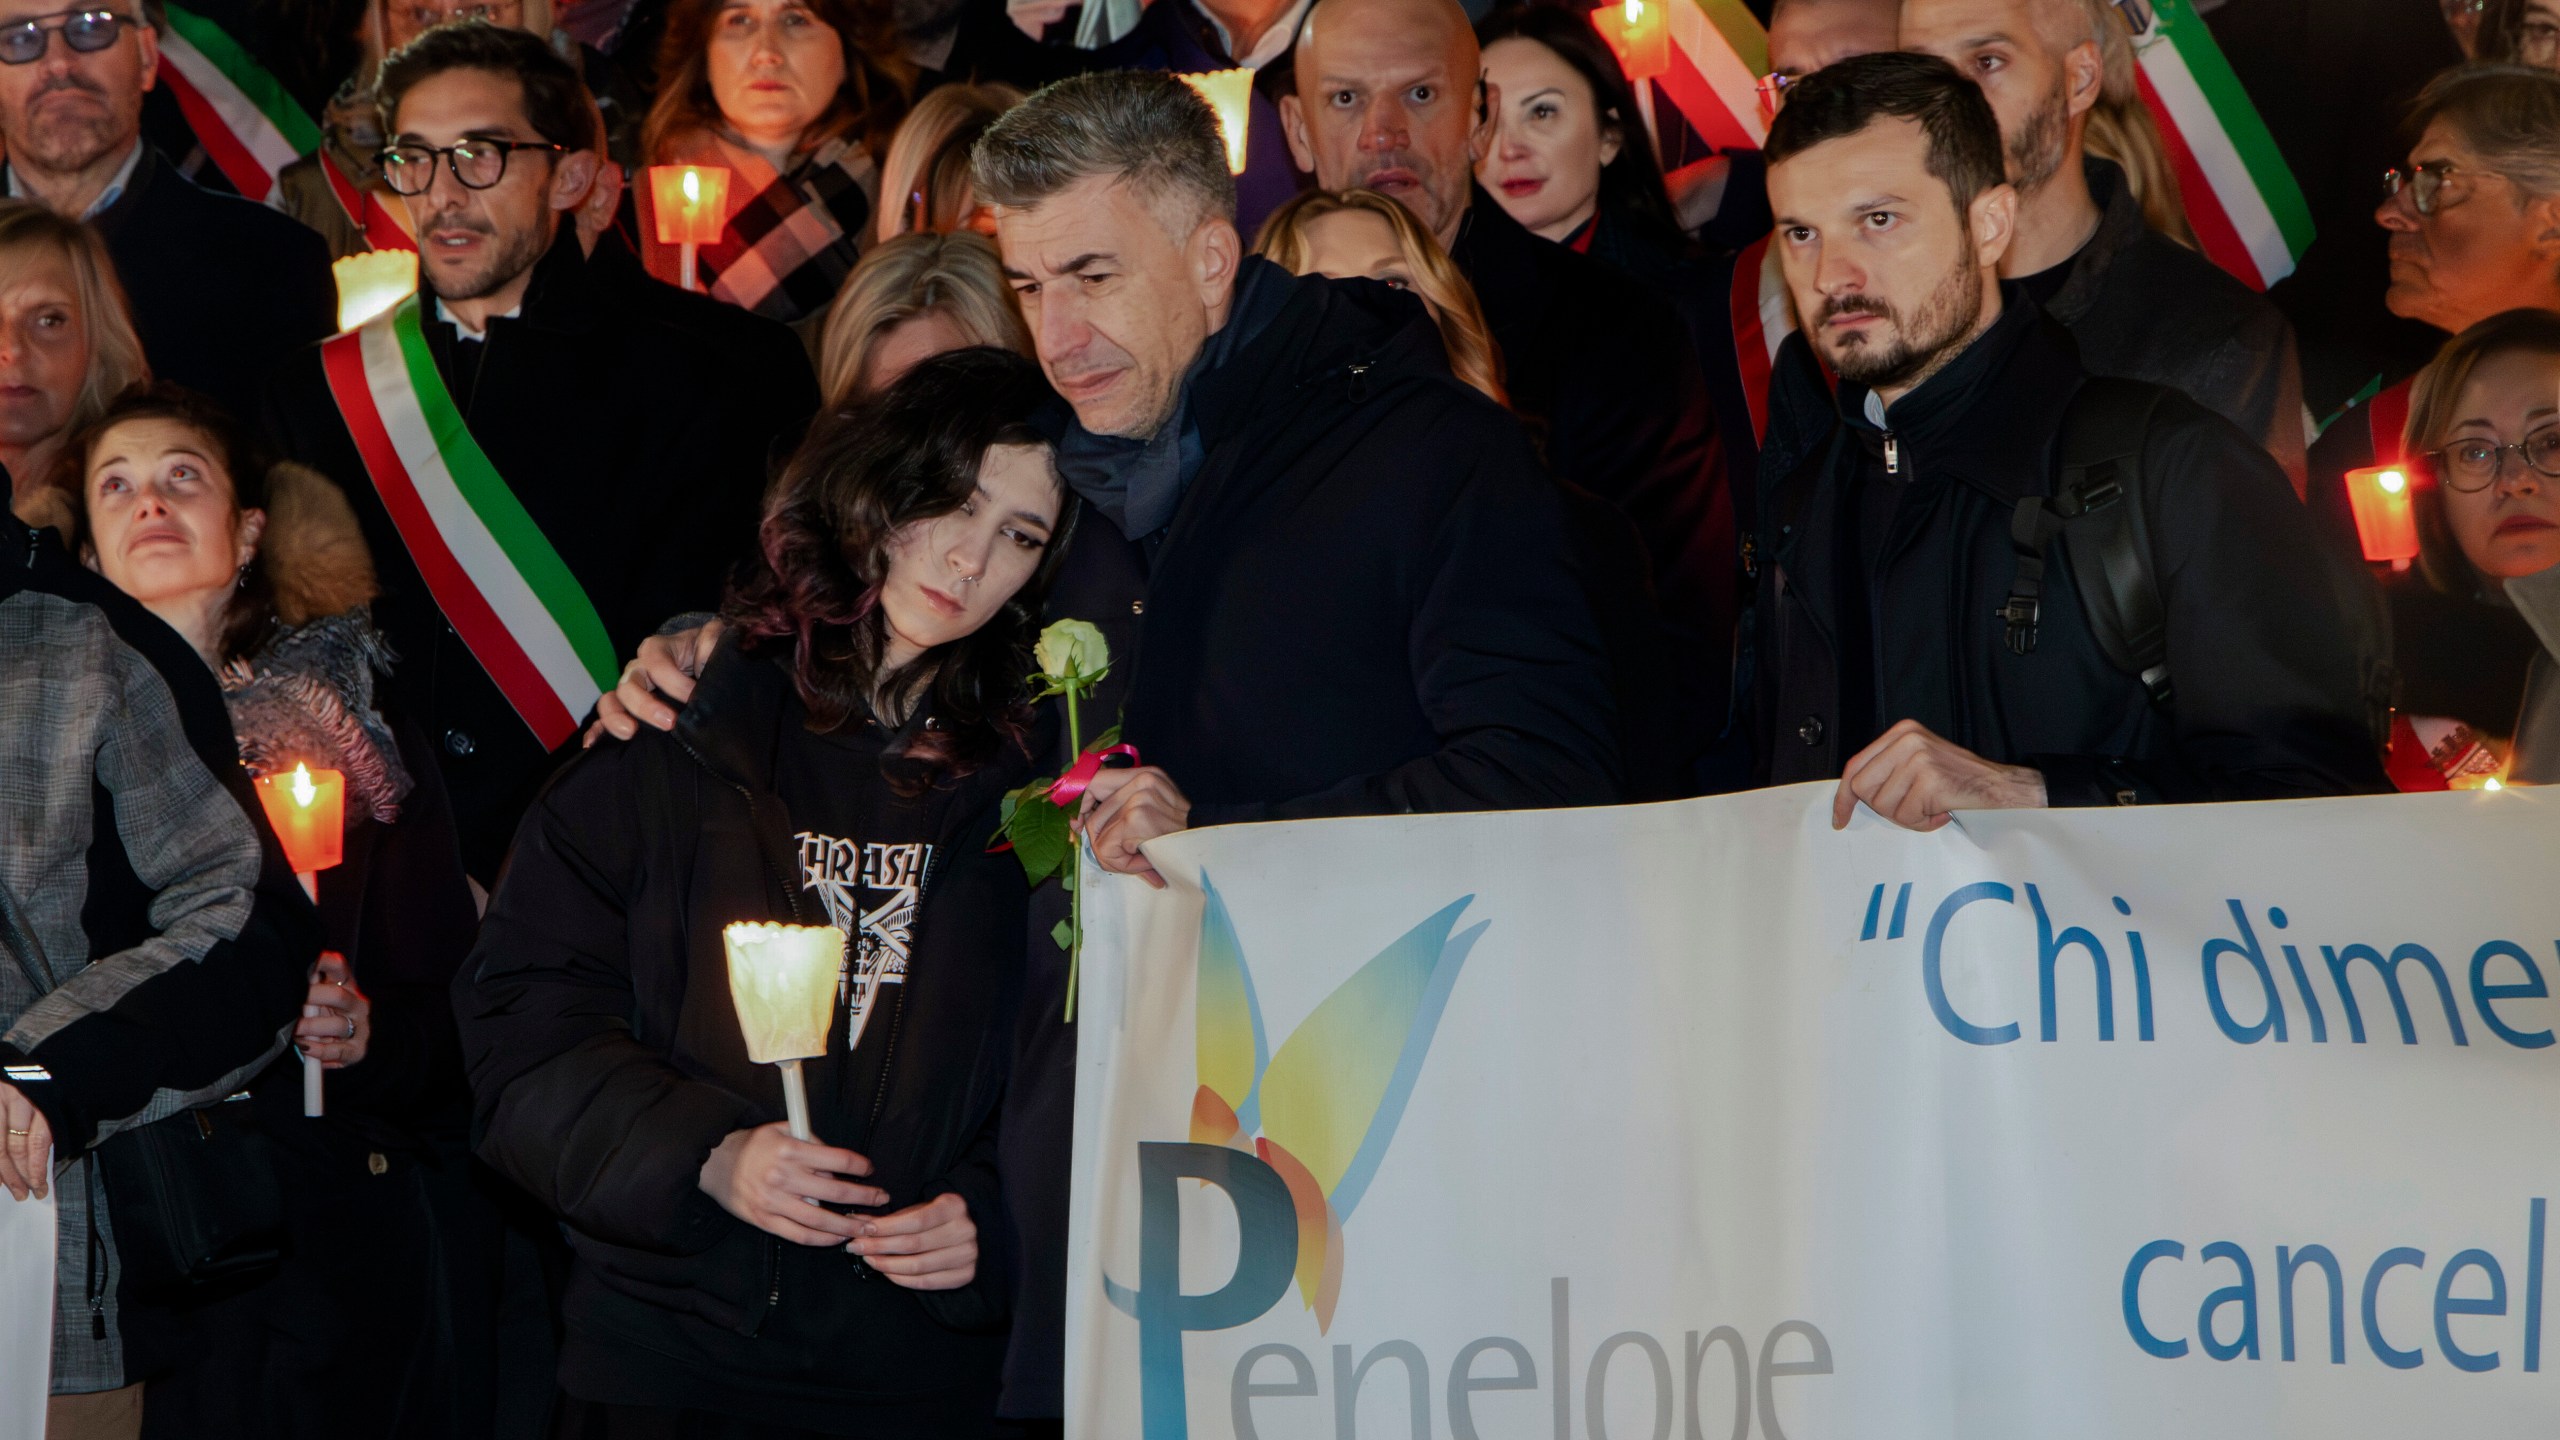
(371, 283)
(2386, 517)
(1638, 30)
(308, 809)
(691, 201)
(782, 979)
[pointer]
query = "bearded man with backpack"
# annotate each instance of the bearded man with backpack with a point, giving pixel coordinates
(1987, 580)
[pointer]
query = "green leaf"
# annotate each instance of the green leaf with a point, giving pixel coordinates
(1064, 934)
(1038, 831)
(1103, 741)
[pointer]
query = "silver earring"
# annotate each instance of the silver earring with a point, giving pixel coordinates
(242, 583)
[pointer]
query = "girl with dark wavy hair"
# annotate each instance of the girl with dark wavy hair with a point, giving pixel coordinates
(840, 763)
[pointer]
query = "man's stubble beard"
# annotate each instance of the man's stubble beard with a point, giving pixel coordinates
(516, 256)
(1937, 331)
(63, 144)
(2042, 143)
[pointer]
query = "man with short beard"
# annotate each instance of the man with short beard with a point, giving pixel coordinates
(549, 455)
(1891, 629)
(2138, 304)
(221, 288)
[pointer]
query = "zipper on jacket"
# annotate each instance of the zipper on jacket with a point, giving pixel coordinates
(97, 1259)
(790, 892)
(1892, 454)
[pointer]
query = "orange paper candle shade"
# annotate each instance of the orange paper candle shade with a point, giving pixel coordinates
(2386, 520)
(692, 203)
(372, 282)
(1639, 31)
(1230, 94)
(308, 809)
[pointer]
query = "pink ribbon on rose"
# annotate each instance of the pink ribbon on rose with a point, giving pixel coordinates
(1079, 777)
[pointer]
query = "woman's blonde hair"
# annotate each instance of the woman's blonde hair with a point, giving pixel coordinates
(1473, 355)
(957, 275)
(2435, 399)
(116, 361)
(924, 182)
(2121, 128)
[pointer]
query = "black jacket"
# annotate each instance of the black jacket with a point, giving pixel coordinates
(1605, 367)
(222, 288)
(2142, 306)
(635, 437)
(2271, 696)
(1367, 603)
(607, 1063)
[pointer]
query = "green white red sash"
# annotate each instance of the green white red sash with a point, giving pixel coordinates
(2248, 213)
(1764, 315)
(1718, 54)
(242, 115)
(381, 230)
(497, 579)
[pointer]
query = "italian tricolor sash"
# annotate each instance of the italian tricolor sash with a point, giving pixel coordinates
(2248, 213)
(1764, 315)
(1718, 54)
(501, 586)
(242, 115)
(382, 230)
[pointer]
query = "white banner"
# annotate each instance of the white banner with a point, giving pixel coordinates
(1705, 1120)
(26, 1314)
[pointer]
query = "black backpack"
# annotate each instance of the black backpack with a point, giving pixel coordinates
(2096, 510)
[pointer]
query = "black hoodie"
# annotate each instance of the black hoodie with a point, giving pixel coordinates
(607, 1063)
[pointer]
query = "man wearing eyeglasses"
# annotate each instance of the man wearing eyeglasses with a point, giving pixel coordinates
(549, 455)
(221, 287)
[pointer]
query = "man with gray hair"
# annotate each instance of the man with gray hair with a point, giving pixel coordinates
(2138, 304)
(1334, 579)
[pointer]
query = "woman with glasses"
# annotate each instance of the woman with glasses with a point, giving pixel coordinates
(2477, 624)
(2473, 218)
(796, 99)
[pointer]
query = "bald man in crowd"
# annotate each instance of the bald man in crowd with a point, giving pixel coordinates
(1600, 365)
(2138, 304)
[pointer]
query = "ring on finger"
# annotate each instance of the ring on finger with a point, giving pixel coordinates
(351, 1027)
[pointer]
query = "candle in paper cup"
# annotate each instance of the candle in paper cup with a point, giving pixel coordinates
(308, 809)
(783, 981)
(2386, 518)
(1230, 97)
(372, 282)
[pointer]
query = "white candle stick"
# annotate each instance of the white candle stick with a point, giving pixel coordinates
(312, 1105)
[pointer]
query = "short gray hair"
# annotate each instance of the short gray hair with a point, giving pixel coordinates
(2509, 113)
(1149, 129)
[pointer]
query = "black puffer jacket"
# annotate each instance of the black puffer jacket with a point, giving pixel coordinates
(2272, 686)
(607, 1063)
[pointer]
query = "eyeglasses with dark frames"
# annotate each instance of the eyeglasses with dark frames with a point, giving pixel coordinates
(477, 164)
(2474, 465)
(88, 31)
(2425, 184)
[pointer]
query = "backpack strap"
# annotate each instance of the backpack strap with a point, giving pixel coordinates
(2096, 509)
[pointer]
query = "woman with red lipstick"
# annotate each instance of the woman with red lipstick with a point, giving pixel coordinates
(797, 100)
(1570, 159)
(841, 764)
(2484, 427)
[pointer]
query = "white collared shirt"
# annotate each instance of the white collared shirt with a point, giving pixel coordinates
(1275, 42)
(448, 317)
(115, 184)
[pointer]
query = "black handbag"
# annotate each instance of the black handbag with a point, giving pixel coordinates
(196, 1195)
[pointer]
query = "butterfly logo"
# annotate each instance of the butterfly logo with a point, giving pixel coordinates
(1320, 1112)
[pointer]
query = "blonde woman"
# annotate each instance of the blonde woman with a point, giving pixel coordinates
(2121, 129)
(67, 347)
(1347, 234)
(912, 298)
(924, 183)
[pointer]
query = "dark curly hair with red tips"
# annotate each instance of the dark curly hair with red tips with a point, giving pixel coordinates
(868, 472)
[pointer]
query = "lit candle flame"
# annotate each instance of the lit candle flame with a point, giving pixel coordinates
(1635, 12)
(2494, 783)
(2393, 481)
(304, 792)
(693, 184)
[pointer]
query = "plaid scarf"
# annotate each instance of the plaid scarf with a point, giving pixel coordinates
(787, 251)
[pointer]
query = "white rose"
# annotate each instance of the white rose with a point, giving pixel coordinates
(1072, 651)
